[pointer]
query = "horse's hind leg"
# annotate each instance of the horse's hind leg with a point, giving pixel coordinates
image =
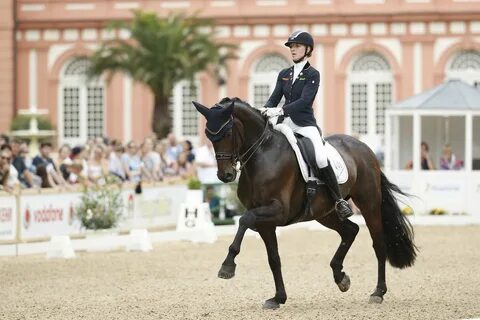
(270, 239)
(347, 231)
(371, 210)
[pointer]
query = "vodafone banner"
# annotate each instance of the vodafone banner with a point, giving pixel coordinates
(8, 217)
(45, 215)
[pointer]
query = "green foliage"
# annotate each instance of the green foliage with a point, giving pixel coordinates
(437, 212)
(100, 207)
(160, 53)
(22, 122)
(194, 184)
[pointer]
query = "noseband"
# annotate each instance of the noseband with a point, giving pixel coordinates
(244, 157)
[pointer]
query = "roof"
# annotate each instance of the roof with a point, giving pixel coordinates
(452, 95)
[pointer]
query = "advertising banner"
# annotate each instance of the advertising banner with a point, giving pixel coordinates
(8, 217)
(45, 215)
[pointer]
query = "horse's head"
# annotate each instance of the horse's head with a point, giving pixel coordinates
(219, 132)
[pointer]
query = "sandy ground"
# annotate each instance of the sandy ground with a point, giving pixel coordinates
(178, 281)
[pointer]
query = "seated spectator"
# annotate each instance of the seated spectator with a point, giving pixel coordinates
(132, 163)
(425, 160)
(187, 148)
(97, 166)
(80, 156)
(45, 167)
(25, 176)
(115, 165)
(64, 161)
(449, 161)
(167, 165)
(151, 162)
(173, 148)
(184, 168)
(5, 161)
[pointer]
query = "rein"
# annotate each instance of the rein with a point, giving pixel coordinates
(247, 155)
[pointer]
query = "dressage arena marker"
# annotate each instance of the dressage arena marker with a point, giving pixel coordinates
(195, 224)
(139, 240)
(60, 247)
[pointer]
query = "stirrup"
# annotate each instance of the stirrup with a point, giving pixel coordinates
(343, 209)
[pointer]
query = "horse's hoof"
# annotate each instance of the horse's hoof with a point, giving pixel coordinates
(344, 285)
(271, 304)
(226, 272)
(375, 299)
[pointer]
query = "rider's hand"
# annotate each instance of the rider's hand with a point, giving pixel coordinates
(273, 112)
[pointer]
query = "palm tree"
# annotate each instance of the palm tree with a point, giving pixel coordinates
(160, 53)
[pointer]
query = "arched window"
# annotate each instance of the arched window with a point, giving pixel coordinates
(264, 78)
(82, 106)
(465, 66)
(369, 93)
(183, 115)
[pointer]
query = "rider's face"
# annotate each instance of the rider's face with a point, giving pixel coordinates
(297, 50)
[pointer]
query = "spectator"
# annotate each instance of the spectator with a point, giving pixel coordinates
(173, 149)
(167, 165)
(25, 176)
(45, 167)
(132, 163)
(97, 166)
(187, 149)
(151, 161)
(449, 161)
(206, 164)
(425, 160)
(64, 162)
(184, 168)
(213, 201)
(115, 165)
(5, 161)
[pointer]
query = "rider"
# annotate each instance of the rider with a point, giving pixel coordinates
(299, 84)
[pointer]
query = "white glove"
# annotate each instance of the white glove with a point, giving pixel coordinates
(273, 112)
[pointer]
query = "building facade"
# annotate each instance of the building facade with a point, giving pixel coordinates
(370, 53)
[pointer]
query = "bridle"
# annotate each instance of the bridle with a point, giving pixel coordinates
(244, 157)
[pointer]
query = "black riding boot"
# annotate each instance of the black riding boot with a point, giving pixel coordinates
(341, 206)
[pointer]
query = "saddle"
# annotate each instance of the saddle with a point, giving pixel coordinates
(305, 154)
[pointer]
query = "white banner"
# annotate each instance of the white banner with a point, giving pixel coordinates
(8, 217)
(155, 206)
(45, 215)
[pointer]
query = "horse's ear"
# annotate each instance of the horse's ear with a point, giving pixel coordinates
(229, 109)
(201, 108)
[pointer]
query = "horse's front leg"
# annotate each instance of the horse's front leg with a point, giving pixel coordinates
(266, 215)
(270, 239)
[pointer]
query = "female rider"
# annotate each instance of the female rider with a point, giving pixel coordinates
(299, 85)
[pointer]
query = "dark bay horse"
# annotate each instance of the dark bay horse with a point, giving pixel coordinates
(272, 189)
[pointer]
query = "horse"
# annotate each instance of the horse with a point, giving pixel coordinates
(273, 191)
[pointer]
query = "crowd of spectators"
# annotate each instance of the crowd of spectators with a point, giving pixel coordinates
(152, 160)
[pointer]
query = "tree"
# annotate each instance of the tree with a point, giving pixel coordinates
(160, 53)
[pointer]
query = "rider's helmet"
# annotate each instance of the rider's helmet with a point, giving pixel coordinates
(301, 37)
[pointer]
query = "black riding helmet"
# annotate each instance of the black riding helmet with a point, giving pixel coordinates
(300, 37)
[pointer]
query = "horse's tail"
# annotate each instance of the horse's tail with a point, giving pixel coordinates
(397, 230)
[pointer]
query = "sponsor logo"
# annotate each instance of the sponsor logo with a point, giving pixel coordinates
(48, 215)
(6, 214)
(26, 218)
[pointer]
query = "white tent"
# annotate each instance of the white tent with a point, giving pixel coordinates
(448, 113)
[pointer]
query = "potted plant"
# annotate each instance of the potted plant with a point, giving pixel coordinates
(100, 206)
(194, 192)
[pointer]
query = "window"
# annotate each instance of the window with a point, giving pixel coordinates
(369, 94)
(184, 116)
(264, 78)
(82, 106)
(465, 66)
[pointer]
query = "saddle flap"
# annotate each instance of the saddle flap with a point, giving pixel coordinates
(308, 152)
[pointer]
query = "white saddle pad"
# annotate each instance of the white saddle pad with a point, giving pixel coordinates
(336, 160)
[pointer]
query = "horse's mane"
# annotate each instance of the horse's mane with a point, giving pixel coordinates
(242, 103)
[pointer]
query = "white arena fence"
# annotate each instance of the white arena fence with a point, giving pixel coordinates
(37, 215)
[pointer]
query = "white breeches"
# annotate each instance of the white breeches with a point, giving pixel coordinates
(313, 134)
